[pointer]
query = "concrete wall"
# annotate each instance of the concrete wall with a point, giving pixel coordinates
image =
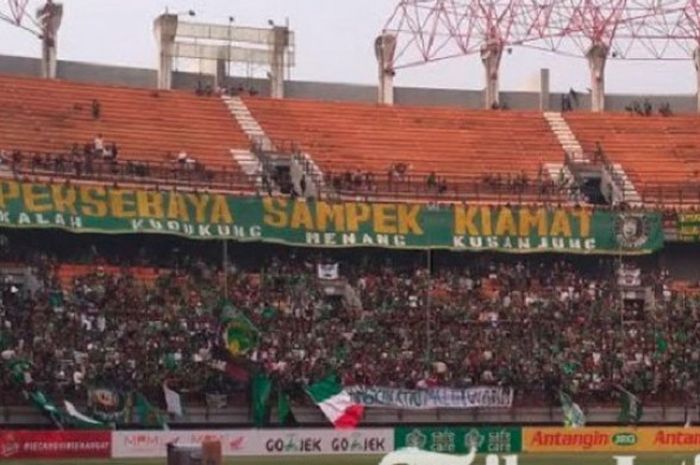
(137, 77)
(81, 72)
(113, 75)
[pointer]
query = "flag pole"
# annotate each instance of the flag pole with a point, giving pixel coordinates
(224, 265)
(428, 338)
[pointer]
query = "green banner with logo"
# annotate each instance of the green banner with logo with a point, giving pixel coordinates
(85, 208)
(458, 439)
(689, 227)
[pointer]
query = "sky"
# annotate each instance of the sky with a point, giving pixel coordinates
(334, 43)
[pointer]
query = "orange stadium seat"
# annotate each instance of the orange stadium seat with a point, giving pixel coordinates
(660, 155)
(458, 144)
(67, 272)
(148, 125)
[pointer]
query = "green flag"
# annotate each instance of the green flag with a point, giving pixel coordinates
(573, 415)
(108, 405)
(239, 333)
(146, 414)
(20, 371)
(262, 386)
(630, 407)
(44, 404)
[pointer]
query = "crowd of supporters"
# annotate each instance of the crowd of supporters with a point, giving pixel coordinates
(537, 324)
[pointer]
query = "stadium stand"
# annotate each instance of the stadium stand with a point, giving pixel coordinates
(461, 147)
(148, 126)
(486, 314)
(131, 312)
(660, 154)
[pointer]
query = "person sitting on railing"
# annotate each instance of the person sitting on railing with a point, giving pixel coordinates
(391, 175)
(442, 185)
(520, 182)
(402, 170)
(77, 161)
(397, 172)
(347, 179)
(182, 158)
(111, 153)
(200, 171)
(431, 180)
(37, 161)
(58, 163)
(98, 145)
(16, 159)
(357, 179)
(186, 161)
(369, 180)
(337, 182)
(114, 150)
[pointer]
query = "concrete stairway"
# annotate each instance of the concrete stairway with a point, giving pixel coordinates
(249, 163)
(309, 166)
(565, 136)
(629, 192)
(247, 122)
(572, 147)
(559, 173)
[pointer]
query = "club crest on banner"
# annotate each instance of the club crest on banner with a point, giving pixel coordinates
(631, 230)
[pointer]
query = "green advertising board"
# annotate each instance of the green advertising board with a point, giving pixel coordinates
(99, 209)
(458, 439)
(689, 227)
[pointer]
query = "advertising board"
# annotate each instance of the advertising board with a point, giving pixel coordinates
(152, 444)
(614, 439)
(55, 444)
(457, 439)
(326, 442)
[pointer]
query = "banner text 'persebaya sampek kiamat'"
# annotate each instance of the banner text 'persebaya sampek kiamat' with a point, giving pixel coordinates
(84, 208)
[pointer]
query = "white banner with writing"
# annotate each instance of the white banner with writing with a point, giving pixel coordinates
(422, 399)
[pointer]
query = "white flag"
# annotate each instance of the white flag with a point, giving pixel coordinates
(328, 271)
(73, 412)
(172, 400)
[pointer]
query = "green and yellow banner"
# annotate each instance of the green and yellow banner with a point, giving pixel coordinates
(689, 227)
(99, 209)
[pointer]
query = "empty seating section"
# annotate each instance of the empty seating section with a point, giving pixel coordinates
(461, 145)
(147, 125)
(658, 154)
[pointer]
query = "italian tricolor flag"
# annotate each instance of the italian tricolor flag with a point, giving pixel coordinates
(336, 403)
